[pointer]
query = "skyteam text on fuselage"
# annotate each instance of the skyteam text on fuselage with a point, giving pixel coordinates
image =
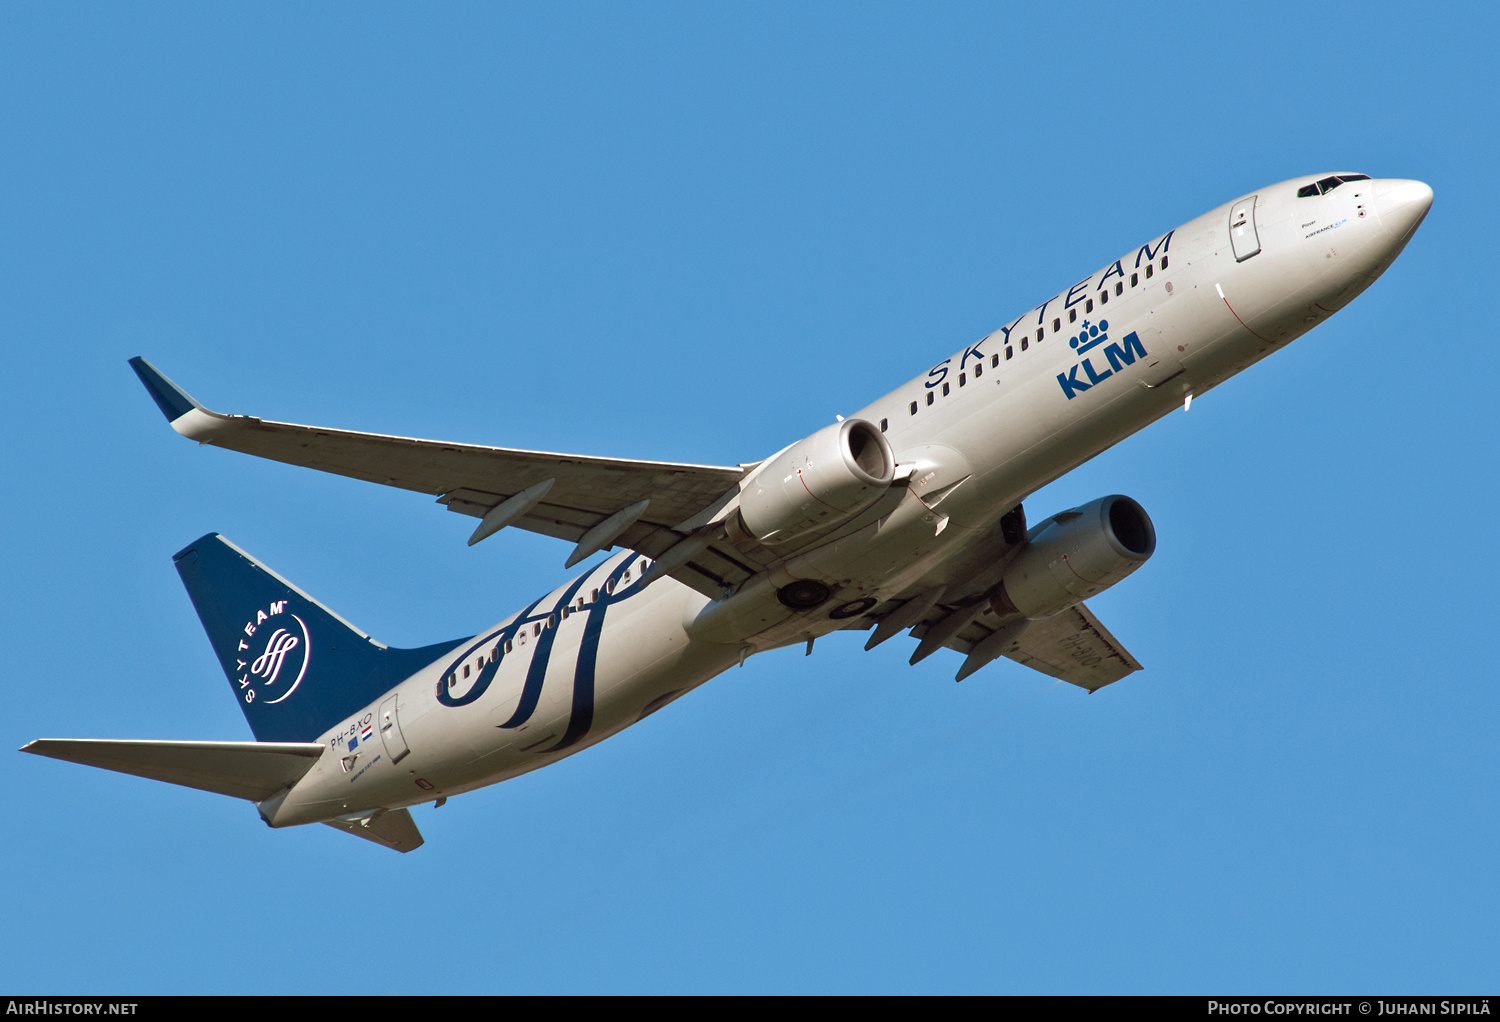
(905, 516)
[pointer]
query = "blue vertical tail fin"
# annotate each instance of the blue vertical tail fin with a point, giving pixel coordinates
(295, 666)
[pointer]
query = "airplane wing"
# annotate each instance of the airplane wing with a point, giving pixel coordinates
(1072, 646)
(649, 506)
(1076, 648)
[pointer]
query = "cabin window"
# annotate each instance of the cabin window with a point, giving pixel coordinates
(1148, 271)
(1008, 352)
(466, 670)
(914, 408)
(508, 646)
(580, 603)
(536, 629)
(1103, 297)
(1072, 316)
(521, 639)
(479, 665)
(1164, 262)
(995, 359)
(1024, 341)
(594, 596)
(1119, 289)
(1039, 335)
(978, 369)
(1088, 306)
(962, 379)
(929, 397)
(566, 611)
(1056, 326)
(884, 425)
(551, 621)
(625, 578)
(1135, 278)
(945, 390)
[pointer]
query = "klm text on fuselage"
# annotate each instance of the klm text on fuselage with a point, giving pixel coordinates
(1119, 356)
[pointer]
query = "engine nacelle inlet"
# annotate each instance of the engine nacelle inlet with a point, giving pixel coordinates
(1075, 555)
(838, 471)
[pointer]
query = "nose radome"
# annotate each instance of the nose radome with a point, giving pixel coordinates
(1401, 205)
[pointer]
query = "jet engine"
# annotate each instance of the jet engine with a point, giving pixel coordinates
(1074, 555)
(837, 472)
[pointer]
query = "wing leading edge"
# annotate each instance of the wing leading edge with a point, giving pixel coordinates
(649, 506)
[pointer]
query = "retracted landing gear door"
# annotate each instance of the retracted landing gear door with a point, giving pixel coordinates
(390, 731)
(1242, 235)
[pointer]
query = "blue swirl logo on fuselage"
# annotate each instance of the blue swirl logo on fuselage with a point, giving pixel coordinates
(487, 652)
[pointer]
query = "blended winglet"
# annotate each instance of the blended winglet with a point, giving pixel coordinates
(173, 401)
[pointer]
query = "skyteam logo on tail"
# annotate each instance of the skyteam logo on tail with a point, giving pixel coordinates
(1119, 356)
(271, 659)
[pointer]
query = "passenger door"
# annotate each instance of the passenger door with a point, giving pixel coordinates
(1242, 234)
(390, 731)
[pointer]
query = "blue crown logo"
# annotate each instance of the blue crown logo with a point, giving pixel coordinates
(1090, 336)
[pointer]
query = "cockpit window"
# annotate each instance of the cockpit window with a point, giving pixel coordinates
(1328, 184)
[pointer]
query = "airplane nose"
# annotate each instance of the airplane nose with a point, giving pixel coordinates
(1401, 206)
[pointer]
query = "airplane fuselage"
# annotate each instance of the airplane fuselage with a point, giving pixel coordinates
(974, 435)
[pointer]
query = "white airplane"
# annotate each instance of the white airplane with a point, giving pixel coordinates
(906, 515)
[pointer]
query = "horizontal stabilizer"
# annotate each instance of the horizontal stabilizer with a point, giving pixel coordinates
(392, 828)
(249, 770)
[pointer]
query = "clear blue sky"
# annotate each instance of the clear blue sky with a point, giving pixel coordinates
(696, 232)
